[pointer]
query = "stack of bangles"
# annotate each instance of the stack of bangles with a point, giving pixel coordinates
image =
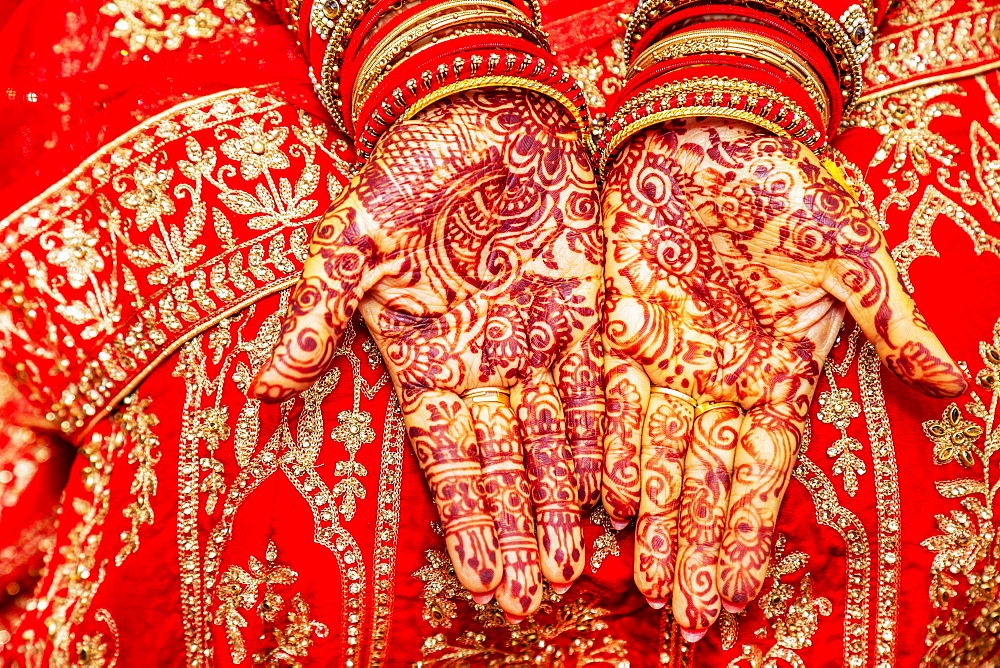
(787, 74)
(387, 60)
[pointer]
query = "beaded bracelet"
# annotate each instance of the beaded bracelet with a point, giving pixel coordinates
(721, 60)
(402, 59)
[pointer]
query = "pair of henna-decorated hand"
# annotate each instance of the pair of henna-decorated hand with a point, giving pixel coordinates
(715, 262)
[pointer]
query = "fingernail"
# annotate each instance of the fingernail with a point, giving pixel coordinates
(483, 599)
(656, 603)
(512, 619)
(734, 607)
(619, 524)
(561, 588)
(693, 636)
(253, 383)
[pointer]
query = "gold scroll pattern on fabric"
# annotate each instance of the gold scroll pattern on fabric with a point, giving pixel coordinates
(214, 431)
(965, 585)
(921, 45)
(563, 632)
(192, 214)
(68, 590)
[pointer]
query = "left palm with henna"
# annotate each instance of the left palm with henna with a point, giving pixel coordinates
(472, 247)
(731, 254)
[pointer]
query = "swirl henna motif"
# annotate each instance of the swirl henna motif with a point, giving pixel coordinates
(731, 255)
(471, 245)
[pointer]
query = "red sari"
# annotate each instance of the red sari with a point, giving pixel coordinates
(197, 526)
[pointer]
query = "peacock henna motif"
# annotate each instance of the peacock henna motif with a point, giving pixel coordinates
(731, 255)
(471, 246)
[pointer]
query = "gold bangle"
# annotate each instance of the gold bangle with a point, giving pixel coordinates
(673, 393)
(496, 81)
(379, 62)
(738, 43)
(846, 50)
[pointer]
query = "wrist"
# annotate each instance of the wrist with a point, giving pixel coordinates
(742, 63)
(385, 61)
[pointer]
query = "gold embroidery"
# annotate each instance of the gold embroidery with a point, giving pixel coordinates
(831, 513)
(441, 590)
(137, 422)
(386, 525)
(600, 77)
(91, 652)
(533, 642)
(904, 120)
(292, 447)
(838, 408)
(965, 585)
(929, 48)
(243, 589)
(294, 638)
(163, 24)
(74, 581)
(606, 544)
(111, 228)
(793, 612)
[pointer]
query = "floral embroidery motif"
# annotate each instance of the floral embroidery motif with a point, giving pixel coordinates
(793, 612)
(965, 584)
(561, 642)
(294, 638)
(163, 24)
(138, 423)
(354, 431)
(441, 589)
(838, 408)
(243, 589)
(954, 437)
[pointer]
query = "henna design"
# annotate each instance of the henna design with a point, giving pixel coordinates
(669, 424)
(508, 500)
(550, 469)
(729, 253)
(622, 438)
(702, 520)
(471, 245)
(916, 365)
(444, 440)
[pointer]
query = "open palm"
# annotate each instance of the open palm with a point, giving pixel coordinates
(731, 254)
(471, 245)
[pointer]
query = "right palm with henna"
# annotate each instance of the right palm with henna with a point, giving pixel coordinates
(471, 246)
(730, 255)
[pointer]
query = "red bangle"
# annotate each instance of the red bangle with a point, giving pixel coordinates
(723, 86)
(495, 64)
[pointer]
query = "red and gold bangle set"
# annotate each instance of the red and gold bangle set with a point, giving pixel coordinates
(743, 62)
(386, 60)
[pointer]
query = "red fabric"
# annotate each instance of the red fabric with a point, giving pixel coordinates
(141, 611)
